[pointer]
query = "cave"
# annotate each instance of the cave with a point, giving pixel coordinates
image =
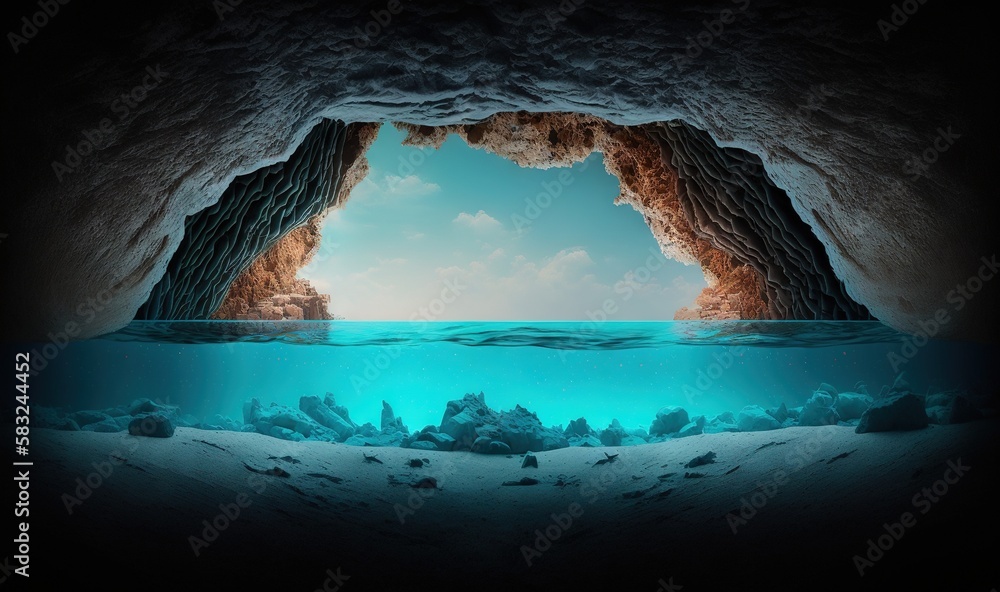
(822, 414)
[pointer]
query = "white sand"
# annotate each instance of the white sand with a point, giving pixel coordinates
(296, 527)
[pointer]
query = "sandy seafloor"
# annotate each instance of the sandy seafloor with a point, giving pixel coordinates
(638, 522)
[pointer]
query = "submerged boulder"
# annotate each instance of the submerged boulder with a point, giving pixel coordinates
(669, 419)
(819, 410)
(326, 417)
(474, 426)
(85, 417)
(442, 442)
(951, 407)
(389, 422)
(753, 418)
(852, 405)
(578, 427)
(154, 426)
(780, 413)
(693, 428)
(898, 412)
(614, 434)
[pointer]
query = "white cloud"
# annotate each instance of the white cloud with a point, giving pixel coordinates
(481, 221)
(390, 187)
(415, 235)
(409, 186)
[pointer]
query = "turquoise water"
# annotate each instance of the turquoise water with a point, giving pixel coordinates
(561, 371)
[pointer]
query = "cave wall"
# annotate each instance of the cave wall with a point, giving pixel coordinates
(273, 273)
(730, 201)
(836, 109)
(257, 210)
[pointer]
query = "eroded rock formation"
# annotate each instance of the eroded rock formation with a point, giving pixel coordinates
(252, 217)
(882, 141)
(270, 283)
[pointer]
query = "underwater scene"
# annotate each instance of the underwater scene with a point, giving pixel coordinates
(325, 450)
(576, 383)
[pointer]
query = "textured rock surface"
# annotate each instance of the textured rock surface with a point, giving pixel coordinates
(753, 418)
(896, 412)
(836, 112)
(729, 200)
(222, 241)
(302, 302)
(273, 273)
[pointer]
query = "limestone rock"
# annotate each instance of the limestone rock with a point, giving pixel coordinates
(668, 420)
(819, 410)
(153, 426)
(896, 412)
(753, 418)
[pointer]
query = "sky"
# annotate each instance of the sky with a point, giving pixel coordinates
(461, 234)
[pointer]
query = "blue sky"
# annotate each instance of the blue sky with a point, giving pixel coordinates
(462, 234)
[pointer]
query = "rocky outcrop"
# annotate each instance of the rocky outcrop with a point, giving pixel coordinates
(881, 140)
(302, 303)
(472, 425)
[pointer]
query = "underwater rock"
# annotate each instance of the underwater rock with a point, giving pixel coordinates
(898, 412)
(391, 423)
(285, 434)
(108, 425)
(530, 460)
(668, 420)
(154, 426)
(693, 428)
(753, 418)
(463, 416)
(725, 417)
(499, 448)
(84, 418)
(141, 406)
(220, 422)
(723, 422)
(951, 407)
(521, 482)
(630, 440)
(851, 406)
(116, 412)
(613, 435)
(264, 420)
(705, 459)
(367, 430)
(422, 445)
(588, 441)
(578, 427)
(488, 445)
(818, 410)
(469, 420)
(442, 442)
(780, 414)
(330, 401)
(326, 417)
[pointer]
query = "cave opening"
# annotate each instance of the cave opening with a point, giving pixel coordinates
(450, 232)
